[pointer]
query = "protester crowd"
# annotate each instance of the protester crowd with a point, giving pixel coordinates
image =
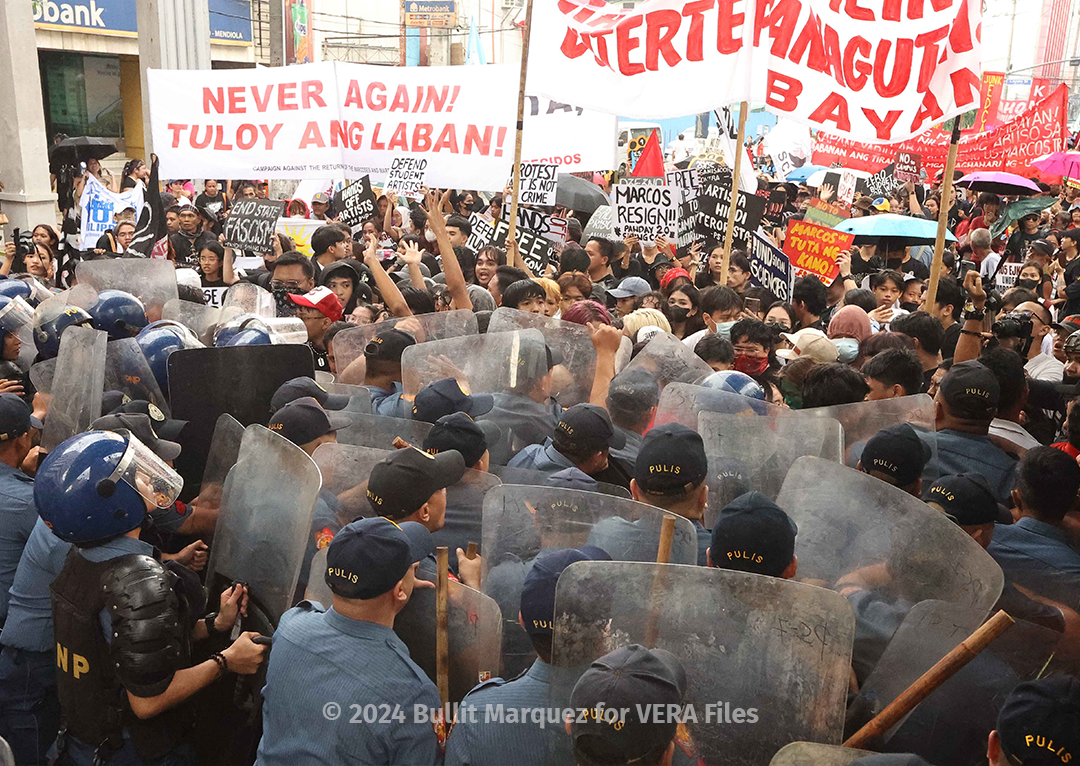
(119, 646)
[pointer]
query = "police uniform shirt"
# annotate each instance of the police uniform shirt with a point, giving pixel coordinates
(876, 620)
(477, 741)
(958, 452)
(1036, 555)
(324, 525)
(388, 403)
(638, 540)
(29, 624)
(523, 422)
(541, 457)
(322, 657)
(18, 514)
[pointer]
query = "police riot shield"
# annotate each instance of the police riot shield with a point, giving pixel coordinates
(41, 375)
(572, 377)
(951, 724)
(512, 362)
(816, 754)
(669, 360)
(201, 320)
(379, 431)
(520, 522)
(17, 318)
(265, 519)
(861, 420)
(127, 370)
(681, 403)
(767, 660)
(755, 453)
(222, 456)
(317, 590)
(886, 549)
(206, 382)
(349, 344)
(359, 397)
(345, 469)
(324, 378)
(152, 282)
(78, 385)
(465, 513)
(525, 476)
(248, 298)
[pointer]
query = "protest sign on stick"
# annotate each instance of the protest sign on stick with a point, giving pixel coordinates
(845, 190)
(729, 230)
(406, 176)
(908, 165)
(356, 203)
(813, 248)
(770, 268)
(646, 211)
(820, 211)
(714, 202)
(535, 249)
(251, 224)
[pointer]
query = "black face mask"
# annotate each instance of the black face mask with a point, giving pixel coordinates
(906, 306)
(285, 307)
(677, 314)
(1027, 284)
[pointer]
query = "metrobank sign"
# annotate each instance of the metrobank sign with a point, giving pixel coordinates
(230, 20)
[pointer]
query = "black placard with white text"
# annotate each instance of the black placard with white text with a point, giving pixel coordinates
(251, 223)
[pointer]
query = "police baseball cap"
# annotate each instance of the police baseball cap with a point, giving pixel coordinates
(369, 557)
(671, 460)
(587, 428)
(403, 482)
(966, 498)
(445, 396)
(298, 388)
(572, 478)
(1039, 723)
(111, 400)
(389, 345)
(631, 287)
(460, 432)
(633, 680)
(165, 427)
(16, 417)
(897, 452)
(538, 592)
(143, 429)
(303, 420)
(753, 534)
(971, 391)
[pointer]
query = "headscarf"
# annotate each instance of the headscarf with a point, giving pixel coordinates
(850, 322)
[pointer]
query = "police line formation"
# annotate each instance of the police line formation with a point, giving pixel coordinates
(400, 502)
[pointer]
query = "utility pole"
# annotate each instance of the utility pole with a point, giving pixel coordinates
(277, 32)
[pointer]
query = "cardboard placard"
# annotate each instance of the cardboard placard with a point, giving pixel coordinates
(814, 249)
(770, 268)
(882, 184)
(539, 183)
(845, 190)
(714, 202)
(550, 227)
(907, 166)
(535, 250)
(682, 179)
(646, 211)
(774, 205)
(251, 224)
(406, 176)
(356, 203)
(825, 213)
(686, 230)
(1006, 277)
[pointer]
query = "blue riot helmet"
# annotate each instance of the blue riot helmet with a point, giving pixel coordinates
(16, 288)
(251, 336)
(98, 484)
(51, 319)
(158, 340)
(119, 314)
(735, 382)
(39, 293)
(227, 331)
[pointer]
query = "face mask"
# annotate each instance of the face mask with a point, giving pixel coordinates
(285, 307)
(848, 348)
(724, 329)
(751, 365)
(678, 314)
(1027, 284)
(906, 306)
(429, 235)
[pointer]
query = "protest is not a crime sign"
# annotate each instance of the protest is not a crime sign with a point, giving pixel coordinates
(251, 224)
(539, 183)
(813, 248)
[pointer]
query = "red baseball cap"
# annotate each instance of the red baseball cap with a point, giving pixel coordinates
(323, 299)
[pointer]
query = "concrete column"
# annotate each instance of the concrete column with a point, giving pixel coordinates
(27, 197)
(173, 34)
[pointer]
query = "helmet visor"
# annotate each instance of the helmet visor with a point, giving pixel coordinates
(148, 474)
(16, 315)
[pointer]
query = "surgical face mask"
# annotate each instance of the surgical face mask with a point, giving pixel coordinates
(678, 314)
(751, 365)
(1027, 284)
(724, 329)
(848, 348)
(429, 235)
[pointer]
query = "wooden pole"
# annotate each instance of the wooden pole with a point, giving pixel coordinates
(442, 638)
(511, 235)
(663, 556)
(667, 532)
(943, 217)
(471, 551)
(932, 679)
(744, 107)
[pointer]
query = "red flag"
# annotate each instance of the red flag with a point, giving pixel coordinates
(651, 162)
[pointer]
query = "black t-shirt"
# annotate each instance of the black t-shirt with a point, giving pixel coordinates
(187, 250)
(1019, 241)
(322, 361)
(128, 183)
(948, 342)
(915, 268)
(215, 204)
(107, 241)
(859, 266)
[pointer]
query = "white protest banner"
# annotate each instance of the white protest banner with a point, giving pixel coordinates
(573, 138)
(646, 211)
(98, 205)
(335, 120)
(539, 183)
(1007, 275)
(790, 146)
(878, 72)
(406, 176)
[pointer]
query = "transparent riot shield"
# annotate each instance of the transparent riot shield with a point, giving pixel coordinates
(861, 420)
(201, 320)
(767, 660)
(345, 469)
(265, 519)
(152, 282)
(465, 513)
(951, 724)
(349, 344)
(681, 403)
(317, 590)
(520, 522)
(248, 298)
(814, 754)
(379, 431)
(41, 375)
(206, 382)
(17, 318)
(323, 378)
(885, 549)
(531, 478)
(127, 370)
(359, 397)
(760, 450)
(223, 454)
(669, 360)
(572, 378)
(77, 385)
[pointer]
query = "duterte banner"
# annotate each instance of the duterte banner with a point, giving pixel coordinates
(335, 119)
(874, 71)
(1039, 130)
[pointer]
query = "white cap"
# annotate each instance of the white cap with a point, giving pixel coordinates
(809, 342)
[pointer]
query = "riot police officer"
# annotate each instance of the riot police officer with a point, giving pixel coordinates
(123, 622)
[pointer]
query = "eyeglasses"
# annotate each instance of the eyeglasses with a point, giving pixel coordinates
(290, 285)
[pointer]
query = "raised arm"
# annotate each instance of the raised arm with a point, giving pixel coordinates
(455, 279)
(391, 296)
